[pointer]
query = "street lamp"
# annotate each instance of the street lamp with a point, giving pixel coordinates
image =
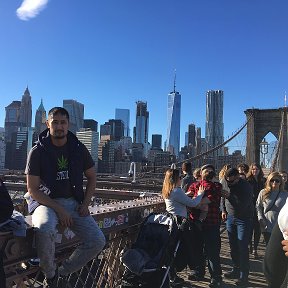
(132, 171)
(264, 150)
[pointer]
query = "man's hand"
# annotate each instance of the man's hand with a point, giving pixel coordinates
(83, 210)
(285, 247)
(224, 216)
(201, 190)
(64, 218)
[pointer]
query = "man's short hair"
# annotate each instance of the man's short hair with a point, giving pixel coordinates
(58, 110)
(187, 167)
(207, 166)
(231, 172)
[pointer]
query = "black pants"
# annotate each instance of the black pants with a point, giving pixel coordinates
(275, 261)
(2, 274)
(255, 233)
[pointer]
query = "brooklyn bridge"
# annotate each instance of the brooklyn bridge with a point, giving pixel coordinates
(120, 204)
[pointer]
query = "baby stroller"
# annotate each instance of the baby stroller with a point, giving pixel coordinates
(148, 262)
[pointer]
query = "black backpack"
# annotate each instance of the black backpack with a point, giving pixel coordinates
(6, 204)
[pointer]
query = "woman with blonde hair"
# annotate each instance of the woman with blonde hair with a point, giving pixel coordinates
(225, 187)
(175, 199)
(176, 202)
(270, 201)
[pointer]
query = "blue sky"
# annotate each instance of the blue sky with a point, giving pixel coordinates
(109, 54)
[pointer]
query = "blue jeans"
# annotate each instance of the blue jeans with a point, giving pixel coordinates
(208, 240)
(239, 233)
(45, 220)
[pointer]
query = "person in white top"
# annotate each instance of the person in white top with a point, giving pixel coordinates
(176, 202)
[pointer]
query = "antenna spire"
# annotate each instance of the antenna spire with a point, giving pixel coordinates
(174, 80)
(285, 100)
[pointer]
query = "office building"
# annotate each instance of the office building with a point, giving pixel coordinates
(173, 131)
(214, 133)
(142, 123)
(91, 124)
(156, 141)
(40, 119)
(12, 118)
(26, 109)
(191, 135)
(76, 114)
(2, 149)
(124, 115)
(90, 139)
(113, 128)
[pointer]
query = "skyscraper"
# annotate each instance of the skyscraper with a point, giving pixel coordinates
(92, 124)
(76, 114)
(214, 133)
(40, 119)
(142, 123)
(26, 109)
(191, 135)
(114, 128)
(124, 115)
(156, 141)
(12, 118)
(173, 131)
(90, 139)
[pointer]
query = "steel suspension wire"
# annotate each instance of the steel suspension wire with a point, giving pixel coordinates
(199, 156)
(276, 158)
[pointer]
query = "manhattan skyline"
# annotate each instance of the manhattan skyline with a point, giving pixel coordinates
(111, 54)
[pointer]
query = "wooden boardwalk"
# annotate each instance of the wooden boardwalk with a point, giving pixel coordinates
(256, 277)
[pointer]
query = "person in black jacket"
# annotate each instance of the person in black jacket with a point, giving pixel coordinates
(55, 167)
(6, 210)
(256, 178)
(238, 209)
(275, 261)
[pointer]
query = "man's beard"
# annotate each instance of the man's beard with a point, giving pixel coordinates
(59, 135)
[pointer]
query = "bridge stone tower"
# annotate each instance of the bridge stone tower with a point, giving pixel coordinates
(261, 122)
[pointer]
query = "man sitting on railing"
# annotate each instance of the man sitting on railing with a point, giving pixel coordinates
(55, 167)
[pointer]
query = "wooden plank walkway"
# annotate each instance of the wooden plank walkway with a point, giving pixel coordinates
(256, 277)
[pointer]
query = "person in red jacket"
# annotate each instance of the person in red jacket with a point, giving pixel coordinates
(207, 238)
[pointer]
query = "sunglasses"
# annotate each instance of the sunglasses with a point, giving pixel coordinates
(275, 180)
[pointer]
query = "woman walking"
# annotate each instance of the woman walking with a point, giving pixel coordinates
(256, 178)
(269, 203)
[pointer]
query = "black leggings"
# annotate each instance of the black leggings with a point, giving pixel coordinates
(257, 233)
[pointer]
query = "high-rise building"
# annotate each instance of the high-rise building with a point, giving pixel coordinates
(214, 133)
(76, 114)
(2, 149)
(40, 119)
(18, 148)
(156, 141)
(198, 141)
(173, 131)
(90, 139)
(26, 109)
(142, 123)
(191, 135)
(92, 124)
(12, 118)
(113, 128)
(124, 115)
